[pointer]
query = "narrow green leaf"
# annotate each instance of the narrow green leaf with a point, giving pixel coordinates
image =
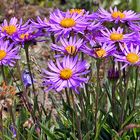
(48, 133)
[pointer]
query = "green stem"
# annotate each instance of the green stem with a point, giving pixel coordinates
(24, 95)
(124, 96)
(13, 120)
(136, 84)
(113, 82)
(14, 80)
(84, 117)
(82, 56)
(1, 123)
(98, 63)
(67, 96)
(113, 96)
(53, 41)
(113, 90)
(76, 117)
(29, 68)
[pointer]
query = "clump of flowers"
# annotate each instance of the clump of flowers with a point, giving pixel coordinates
(83, 47)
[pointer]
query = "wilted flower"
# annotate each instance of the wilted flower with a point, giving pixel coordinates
(116, 15)
(130, 55)
(68, 73)
(8, 53)
(26, 34)
(70, 47)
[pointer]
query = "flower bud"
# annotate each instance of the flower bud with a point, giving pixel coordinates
(113, 74)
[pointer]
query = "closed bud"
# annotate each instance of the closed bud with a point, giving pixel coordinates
(113, 74)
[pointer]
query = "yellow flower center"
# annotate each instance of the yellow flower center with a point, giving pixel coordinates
(2, 54)
(116, 36)
(100, 52)
(24, 36)
(118, 14)
(11, 29)
(67, 22)
(132, 57)
(78, 11)
(70, 49)
(65, 74)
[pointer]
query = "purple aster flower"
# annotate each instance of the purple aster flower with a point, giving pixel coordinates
(25, 36)
(116, 15)
(130, 55)
(63, 23)
(68, 73)
(26, 78)
(112, 36)
(8, 53)
(70, 47)
(9, 30)
(100, 51)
